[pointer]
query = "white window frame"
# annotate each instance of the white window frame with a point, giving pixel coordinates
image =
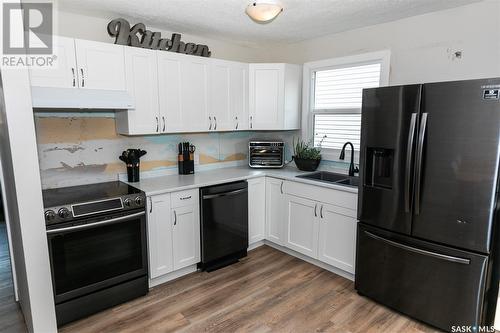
(383, 57)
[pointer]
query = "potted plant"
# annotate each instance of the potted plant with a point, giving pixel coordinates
(306, 158)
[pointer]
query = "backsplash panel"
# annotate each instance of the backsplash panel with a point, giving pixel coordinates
(78, 150)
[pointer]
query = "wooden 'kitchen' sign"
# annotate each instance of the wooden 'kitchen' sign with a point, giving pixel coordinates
(138, 36)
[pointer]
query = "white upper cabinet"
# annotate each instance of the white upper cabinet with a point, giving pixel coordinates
(195, 94)
(100, 65)
(229, 101)
(274, 96)
(83, 64)
(256, 211)
(142, 84)
(169, 78)
(64, 73)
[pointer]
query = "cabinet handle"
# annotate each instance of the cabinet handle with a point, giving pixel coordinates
(215, 126)
(157, 124)
(163, 118)
(210, 120)
(83, 77)
(236, 122)
(185, 198)
(150, 205)
(251, 118)
(321, 211)
(281, 187)
(175, 217)
(74, 78)
(315, 210)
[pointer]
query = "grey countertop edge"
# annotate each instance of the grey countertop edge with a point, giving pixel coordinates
(167, 184)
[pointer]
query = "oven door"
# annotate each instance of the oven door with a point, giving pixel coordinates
(96, 254)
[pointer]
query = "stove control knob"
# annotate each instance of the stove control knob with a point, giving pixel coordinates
(50, 215)
(127, 202)
(139, 201)
(63, 213)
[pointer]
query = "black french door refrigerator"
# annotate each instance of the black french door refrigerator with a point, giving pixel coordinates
(428, 201)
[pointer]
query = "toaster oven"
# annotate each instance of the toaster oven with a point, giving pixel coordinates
(266, 154)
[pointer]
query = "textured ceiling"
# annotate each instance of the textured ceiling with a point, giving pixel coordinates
(226, 19)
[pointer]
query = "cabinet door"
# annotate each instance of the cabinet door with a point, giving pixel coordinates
(266, 96)
(301, 228)
(169, 90)
(159, 235)
(220, 96)
(100, 65)
(275, 210)
(256, 209)
(238, 96)
(186, 236)
(63, 74)
(194, 94)
(337, 237)
(142, 85)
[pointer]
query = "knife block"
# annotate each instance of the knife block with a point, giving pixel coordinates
(186, 166)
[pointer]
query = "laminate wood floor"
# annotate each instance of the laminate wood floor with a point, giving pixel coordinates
(268, 291)
(11, 317)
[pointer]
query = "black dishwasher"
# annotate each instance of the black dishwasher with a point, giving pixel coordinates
(224, 224)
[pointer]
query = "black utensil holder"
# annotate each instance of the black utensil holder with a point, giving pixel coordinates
(186, 167)
(133, 173)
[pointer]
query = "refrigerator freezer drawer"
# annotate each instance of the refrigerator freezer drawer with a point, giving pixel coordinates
(438, 285)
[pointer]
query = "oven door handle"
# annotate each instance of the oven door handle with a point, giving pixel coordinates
(91, 225)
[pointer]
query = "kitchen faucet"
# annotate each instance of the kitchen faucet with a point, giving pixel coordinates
(352, 168)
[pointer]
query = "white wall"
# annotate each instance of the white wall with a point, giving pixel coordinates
(95, 28)
(418, 45)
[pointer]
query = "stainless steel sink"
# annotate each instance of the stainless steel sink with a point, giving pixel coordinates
(331, 177)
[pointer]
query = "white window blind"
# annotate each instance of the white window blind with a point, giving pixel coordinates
(337, 103)
(341, 88)
(335, 129)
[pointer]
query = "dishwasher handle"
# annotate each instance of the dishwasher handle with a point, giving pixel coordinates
(224, 194)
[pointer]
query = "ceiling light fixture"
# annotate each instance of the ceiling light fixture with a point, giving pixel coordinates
(264, 11)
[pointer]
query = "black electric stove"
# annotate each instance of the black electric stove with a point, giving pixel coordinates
(68, 203)
(97, 242)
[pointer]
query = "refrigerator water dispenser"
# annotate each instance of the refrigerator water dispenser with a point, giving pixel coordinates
(379, 167)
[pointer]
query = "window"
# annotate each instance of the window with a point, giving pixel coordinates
(336, 96)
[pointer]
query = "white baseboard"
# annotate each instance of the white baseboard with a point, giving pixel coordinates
(193, 268)
(310, 260)
(255, 245)
(172, 275)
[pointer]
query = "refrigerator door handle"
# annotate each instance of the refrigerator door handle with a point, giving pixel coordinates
(409, 154)
(419, 251)
(418, 165)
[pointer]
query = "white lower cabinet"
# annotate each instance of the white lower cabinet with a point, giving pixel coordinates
(301, 225)
(320, 230)
(186, 236)
(275, 210)
(256, 210)
(337, 237)
(159, 235)
(173, 231)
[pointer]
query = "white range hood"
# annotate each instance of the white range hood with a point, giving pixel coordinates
(68, 98)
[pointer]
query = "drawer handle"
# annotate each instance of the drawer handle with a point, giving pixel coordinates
(185, 198)
(419, 251)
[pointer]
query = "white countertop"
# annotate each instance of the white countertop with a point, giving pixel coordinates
(172, 183)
